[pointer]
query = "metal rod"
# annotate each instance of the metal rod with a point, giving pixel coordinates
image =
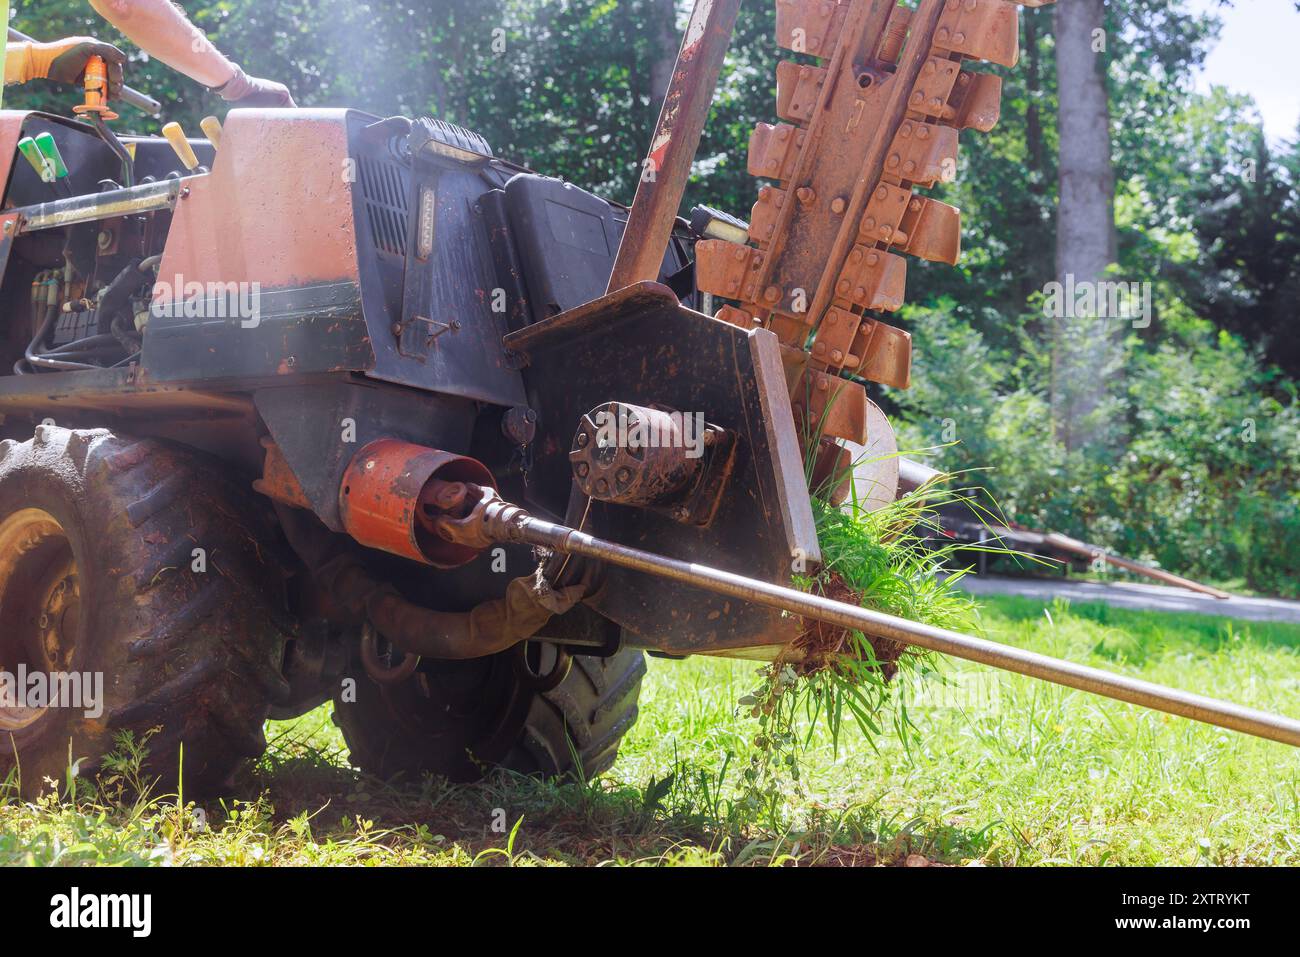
(677, 136)
(147, 197)
(507, 521)
(141, 101)
(1072, 545)
(912, 475)
(113, 143)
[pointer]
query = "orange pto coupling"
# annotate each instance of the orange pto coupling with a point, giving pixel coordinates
(393, 491)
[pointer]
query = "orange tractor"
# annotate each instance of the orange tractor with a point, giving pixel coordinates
(332, 406)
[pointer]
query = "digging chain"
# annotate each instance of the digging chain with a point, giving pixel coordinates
(875, 117)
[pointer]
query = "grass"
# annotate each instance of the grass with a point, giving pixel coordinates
(1001, 770)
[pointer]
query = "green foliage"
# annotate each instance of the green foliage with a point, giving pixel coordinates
(1026, 774)
(839, 679)
(1202, 473)
(1213, 467)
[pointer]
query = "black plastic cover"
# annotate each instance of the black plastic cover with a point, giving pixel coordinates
(567, 240)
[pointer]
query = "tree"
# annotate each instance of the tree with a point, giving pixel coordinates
(1083, 350)
(663, 28)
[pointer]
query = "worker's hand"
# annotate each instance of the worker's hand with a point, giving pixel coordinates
(244, 90)
(64, 61)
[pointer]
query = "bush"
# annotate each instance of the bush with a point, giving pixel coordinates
(1199, 470)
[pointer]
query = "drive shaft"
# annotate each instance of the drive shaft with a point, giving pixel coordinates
(503, 522)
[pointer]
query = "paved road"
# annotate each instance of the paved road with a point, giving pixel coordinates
(1135, 595)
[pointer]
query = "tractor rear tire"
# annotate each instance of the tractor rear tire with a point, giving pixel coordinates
(462, 719)
(99, 574)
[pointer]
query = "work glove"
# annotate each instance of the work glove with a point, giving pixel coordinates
(244, 90)
(63, 60)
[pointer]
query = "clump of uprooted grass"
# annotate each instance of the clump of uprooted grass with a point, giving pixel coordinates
(885, 559)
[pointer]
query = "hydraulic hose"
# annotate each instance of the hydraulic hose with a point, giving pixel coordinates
(488, 628)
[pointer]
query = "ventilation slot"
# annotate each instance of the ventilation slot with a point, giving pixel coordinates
(384, 191)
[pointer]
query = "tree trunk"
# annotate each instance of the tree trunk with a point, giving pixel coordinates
(1033, 117)
(665, 41)
(1083, 346)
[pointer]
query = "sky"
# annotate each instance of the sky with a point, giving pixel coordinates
(1258, 46)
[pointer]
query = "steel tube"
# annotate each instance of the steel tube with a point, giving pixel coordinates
(148, 197)
(677, 137)
(525, 528)
(1084, 550)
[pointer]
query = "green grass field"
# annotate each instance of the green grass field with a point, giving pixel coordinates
(1001, 771)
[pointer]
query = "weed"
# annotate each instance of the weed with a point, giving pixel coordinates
(884, 559)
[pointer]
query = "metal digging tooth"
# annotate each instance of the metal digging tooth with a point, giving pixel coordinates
(876, 117)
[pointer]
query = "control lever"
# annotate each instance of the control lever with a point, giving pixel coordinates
(96, 109)
(181, 145)
(44, 157)
(212, 129)
(141, 101)
(44, 168)
(95, 83)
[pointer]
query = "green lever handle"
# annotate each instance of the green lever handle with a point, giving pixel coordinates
(50, 150)
(44, 168)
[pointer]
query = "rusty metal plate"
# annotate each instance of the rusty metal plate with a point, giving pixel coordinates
(976, 102)
(763, 217)
(922, 154)
(872, 279)
(833, 406)
(797, 90)
(640, 346)
(727, 269)
(930, 230)
(809, 26)
(981, 29)
(774, 149)
(737, 317)
(835, 339)
(886, 353)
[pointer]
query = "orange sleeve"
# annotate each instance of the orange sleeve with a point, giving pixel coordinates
(18, 59)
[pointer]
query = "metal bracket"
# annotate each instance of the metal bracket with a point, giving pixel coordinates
(417, 334)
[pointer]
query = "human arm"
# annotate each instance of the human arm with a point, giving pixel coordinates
(162, 30)
(62, 60)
